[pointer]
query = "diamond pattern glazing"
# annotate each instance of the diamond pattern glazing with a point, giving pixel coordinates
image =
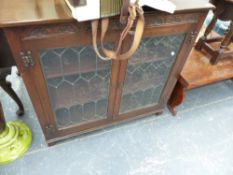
(148, 72)
(78, 84)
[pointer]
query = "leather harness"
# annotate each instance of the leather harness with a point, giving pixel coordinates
(133, 11)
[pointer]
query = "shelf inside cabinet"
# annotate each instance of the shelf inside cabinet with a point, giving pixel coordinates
(82, 98)
(71, 61)
(78, 84)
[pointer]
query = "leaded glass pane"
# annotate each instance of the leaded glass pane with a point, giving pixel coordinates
(78, 84)
(148, 71)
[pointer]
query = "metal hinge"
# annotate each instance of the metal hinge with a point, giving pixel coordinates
(27, 59)
(191, 37)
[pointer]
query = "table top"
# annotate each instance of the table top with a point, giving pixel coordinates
(198, 71)
(28, 12)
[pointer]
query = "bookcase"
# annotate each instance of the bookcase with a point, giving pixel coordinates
(75, 92)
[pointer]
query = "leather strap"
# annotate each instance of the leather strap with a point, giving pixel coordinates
(133, 9)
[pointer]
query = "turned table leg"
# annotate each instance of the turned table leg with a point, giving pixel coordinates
(176, 98)
(224, 44)
(6, 86)
(207, 32)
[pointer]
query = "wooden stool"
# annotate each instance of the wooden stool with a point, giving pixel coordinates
(198, 72)
(224, 11)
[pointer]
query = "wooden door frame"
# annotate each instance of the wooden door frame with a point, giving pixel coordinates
(190, 31)
(35, 44)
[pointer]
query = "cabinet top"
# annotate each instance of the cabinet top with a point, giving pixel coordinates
(29, 12)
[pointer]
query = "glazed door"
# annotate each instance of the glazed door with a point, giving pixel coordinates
(148, 78)
(147, 73)
(77, 83)
(72, 82)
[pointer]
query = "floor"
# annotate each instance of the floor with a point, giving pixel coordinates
(199, 141)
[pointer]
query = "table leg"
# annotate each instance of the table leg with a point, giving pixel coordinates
(207, 32)
(6, 86)
(2, 120)
(224, 44)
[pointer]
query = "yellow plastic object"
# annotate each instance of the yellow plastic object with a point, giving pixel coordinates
(14, 141)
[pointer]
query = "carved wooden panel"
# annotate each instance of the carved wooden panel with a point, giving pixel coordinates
(76, 27)
(176, 19)
(51, 30)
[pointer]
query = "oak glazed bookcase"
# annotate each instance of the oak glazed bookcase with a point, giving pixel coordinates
(73, 91)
